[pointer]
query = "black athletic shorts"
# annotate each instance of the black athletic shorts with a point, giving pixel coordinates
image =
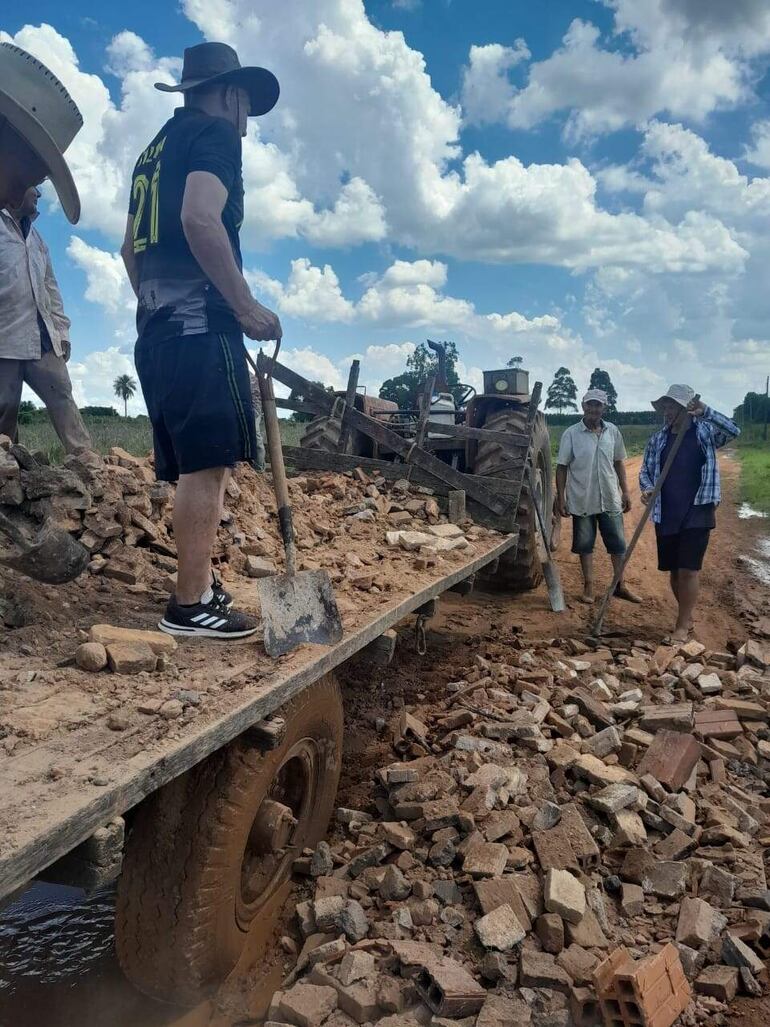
(196, 388)
(683, 551)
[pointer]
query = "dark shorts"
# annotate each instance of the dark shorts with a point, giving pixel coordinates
(683, 551)
(196, 388)
(610, 526)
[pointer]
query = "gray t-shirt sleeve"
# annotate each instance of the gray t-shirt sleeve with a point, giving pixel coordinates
(566, 454)
(620, 446)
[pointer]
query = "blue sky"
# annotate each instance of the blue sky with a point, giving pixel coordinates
(583, 183)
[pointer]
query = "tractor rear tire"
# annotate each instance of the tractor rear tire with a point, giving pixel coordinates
(208, 852)
(519, 570)
(323, 434)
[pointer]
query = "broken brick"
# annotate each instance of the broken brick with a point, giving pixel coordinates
(499, 929)
(564, 895)
(671, 758)
(308, 1005)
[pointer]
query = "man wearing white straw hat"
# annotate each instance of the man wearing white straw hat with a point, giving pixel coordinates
(38, 121)
(591, 487)
(685, 511)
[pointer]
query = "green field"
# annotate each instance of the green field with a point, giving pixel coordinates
(754, 453)
(130, 433)
(134, 435)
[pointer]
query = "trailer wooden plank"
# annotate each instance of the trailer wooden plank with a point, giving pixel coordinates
(44, 819)
(317, 460)
(426, 461)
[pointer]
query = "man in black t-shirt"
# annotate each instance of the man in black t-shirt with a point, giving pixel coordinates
(183, 257)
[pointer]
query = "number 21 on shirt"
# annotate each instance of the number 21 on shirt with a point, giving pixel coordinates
(141, 188)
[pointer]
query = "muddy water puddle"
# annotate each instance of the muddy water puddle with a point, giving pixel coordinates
(58, 968)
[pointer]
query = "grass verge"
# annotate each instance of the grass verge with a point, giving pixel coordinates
(754, 454)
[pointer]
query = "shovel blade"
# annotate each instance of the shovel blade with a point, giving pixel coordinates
(54, 557)
(298, 608)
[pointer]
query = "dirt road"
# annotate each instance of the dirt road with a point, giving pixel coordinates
(717, 616)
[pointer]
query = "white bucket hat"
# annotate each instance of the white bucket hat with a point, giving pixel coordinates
(42, 112)
(681, 394)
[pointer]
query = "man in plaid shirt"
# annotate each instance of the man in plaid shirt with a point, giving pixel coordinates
(684, 513)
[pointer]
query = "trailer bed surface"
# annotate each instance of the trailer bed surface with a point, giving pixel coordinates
(89, 753)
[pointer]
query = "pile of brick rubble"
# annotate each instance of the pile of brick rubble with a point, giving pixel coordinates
(346, 523)
(575, 836)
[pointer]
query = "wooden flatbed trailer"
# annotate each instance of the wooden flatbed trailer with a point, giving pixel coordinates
(214, 811)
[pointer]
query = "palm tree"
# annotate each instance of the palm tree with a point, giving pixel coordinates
(125, 387)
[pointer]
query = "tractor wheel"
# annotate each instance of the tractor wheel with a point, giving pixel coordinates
(520, 571)
(323, 433)
(208, 852)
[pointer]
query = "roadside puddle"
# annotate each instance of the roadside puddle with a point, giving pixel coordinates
(745, 512)
(757, 562)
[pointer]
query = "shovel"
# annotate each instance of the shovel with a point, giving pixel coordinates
(297, 607)
(54, 557)
(550, 570)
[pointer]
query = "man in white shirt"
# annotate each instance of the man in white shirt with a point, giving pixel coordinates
(34, 330)
(591, 487)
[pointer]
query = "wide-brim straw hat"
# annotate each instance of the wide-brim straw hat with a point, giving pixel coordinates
(44, 115)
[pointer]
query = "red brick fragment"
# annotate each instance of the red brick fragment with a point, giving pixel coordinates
(671, 758)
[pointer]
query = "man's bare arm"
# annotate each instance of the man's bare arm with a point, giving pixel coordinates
(620, 470)
(204, 200)
(127, 253)
(561, 484)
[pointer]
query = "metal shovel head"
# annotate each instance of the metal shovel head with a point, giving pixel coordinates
(54, 557)
(298, 608)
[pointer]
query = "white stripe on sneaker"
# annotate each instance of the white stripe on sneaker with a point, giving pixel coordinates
(200, 617)
(218, 624)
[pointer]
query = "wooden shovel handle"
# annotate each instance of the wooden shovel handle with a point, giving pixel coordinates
(273, 429)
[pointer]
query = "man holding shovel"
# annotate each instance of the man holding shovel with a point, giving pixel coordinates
(182, 255)
(684, 513)
(591, 486)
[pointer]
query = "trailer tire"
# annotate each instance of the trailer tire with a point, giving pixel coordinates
(519, 570)
(208, 850)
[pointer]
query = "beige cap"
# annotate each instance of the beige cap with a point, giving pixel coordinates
(596, 396)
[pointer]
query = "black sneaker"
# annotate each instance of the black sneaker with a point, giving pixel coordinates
(210, 620)
(220, 592)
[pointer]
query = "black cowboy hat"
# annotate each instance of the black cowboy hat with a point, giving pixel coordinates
(218, 62)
